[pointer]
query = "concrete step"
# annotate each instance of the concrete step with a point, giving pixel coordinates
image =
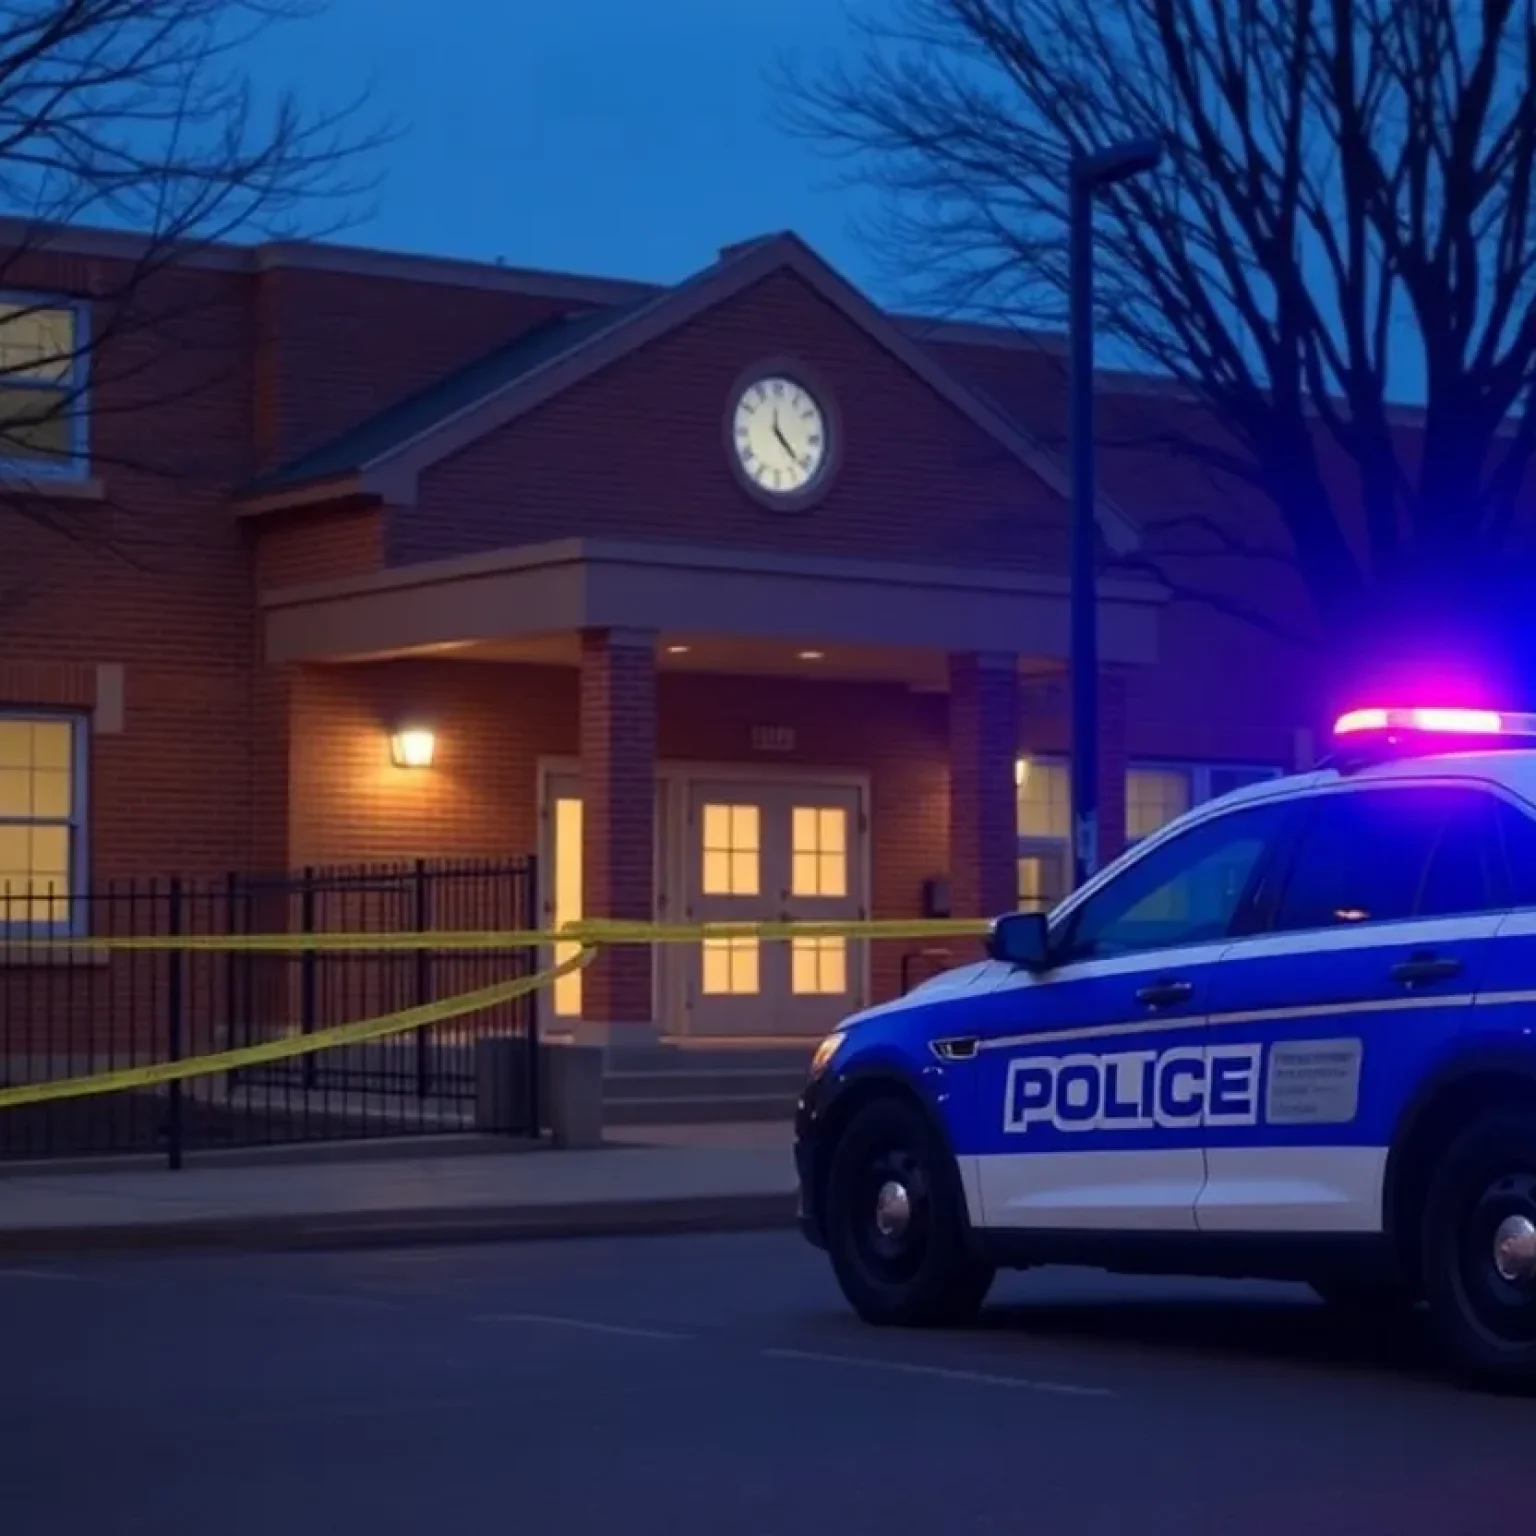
(792, 1056)
(698, 1111)
(710, 1083)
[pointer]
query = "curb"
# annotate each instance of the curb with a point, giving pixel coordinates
(412, 1227)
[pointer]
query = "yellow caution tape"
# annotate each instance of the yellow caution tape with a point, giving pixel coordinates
(591, 936)
(595, 932)
(297, 1045)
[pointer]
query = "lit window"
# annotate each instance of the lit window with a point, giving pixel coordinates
(1157, 793)
(567, 894)
(41, 816)
(1045, 798)
(819, 835)
(819, 966)
(1153, 797)
(730, 849)
(730, 967)
(42, 387)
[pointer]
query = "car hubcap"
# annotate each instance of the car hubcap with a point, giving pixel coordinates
(1498, 1268)
(893, 1209)
(892, 1229)
(1514, 1249)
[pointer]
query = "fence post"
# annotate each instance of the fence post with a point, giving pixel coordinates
(233, 1035)
(423, 921)
(173, 979)
(308, 974)
(529, 962)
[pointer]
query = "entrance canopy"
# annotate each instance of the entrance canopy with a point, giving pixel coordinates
(531, 602)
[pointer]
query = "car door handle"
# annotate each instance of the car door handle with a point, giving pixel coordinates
(1425, 967)
(1164, 993)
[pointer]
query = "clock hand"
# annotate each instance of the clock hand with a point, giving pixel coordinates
(783, 441)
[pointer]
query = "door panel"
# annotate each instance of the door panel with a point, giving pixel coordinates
(1097, 1094)
(776, 852)
(1342, 1042)
(1102, 1070)
(1384, 916)
(825, 975)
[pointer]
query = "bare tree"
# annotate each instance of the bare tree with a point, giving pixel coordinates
(137, 116)
(1344, 213)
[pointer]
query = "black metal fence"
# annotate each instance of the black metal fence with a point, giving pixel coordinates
(68, 1012)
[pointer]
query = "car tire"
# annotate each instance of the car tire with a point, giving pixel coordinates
(1368, 1298)
(1478, 1240)
(895, 1222)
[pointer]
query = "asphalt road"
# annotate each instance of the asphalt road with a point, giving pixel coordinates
(672, 1386)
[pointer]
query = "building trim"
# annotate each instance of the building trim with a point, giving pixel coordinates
(393, 475)
(577, 584)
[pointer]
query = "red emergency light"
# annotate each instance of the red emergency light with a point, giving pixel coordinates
(1438, 722)
(1363, 734)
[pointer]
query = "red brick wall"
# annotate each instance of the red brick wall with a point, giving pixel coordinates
(617, 691)
(297, 548)
(639, 451)
(154, 577)
(338, 348)
(494, 723)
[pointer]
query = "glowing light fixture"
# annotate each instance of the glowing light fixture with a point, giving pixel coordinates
(1445, 722)
(677, 650)
(812, 655)
(413, 746)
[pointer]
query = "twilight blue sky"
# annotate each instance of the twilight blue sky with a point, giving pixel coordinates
(623, 137)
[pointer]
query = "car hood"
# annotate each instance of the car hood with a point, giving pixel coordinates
(982, 976)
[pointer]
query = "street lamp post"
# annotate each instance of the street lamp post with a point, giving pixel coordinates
(1089, 174)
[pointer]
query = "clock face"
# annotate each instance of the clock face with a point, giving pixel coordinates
(780, 436)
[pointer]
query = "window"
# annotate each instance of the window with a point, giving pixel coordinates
(1045, 829)
(818, 851)
(1517, 832)
(819, 966)
(1385, 855)
(42, 789)
(1156, 793)
(730, 849)
(1188, 891)
(42, 387)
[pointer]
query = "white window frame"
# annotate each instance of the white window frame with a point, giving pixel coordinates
(77, 391)
(1033, 845)
(76, 822)
(1199, 773)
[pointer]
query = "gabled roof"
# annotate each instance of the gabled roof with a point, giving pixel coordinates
(386, 454)
(372, 441)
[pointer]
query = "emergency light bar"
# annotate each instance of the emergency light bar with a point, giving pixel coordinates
(1366, 733)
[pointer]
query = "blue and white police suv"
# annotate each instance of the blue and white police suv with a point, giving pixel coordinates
(1291, 1036)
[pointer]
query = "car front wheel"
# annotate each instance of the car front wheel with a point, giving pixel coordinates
(1479, 1252)
(895, 1222)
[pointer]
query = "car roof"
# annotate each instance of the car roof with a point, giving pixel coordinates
(1513, 769)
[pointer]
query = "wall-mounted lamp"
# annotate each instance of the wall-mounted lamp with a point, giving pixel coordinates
(412, 746)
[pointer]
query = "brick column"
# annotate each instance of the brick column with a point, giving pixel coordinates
(983, 796)
(1112, 763)
(618, 793)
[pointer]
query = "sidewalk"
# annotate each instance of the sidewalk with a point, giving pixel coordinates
(665, 1179)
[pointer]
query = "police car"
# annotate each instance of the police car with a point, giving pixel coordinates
(1290, 1036)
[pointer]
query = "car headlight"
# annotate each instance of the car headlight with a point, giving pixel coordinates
(826, 1051)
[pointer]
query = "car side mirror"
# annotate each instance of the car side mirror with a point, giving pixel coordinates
(1022, 939)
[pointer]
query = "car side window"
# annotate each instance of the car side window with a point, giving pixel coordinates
(1517, 833)
(1386, 855)
(1187, 890)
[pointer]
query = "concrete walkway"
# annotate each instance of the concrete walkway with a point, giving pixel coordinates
(687, 1178)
